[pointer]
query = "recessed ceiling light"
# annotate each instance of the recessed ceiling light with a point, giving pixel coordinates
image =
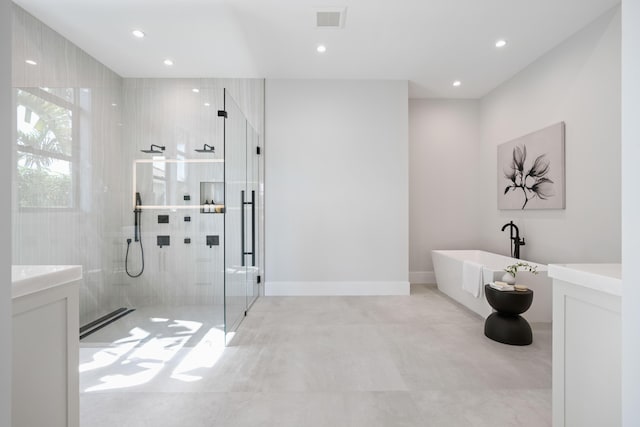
(501, 43)
(114, 104)
(195, 90)
(138, 34)
(457, 83)
(31, 62)
(321, 48)
(168, 62)
(206, 104)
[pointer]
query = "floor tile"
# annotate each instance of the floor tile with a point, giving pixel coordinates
(419, 360)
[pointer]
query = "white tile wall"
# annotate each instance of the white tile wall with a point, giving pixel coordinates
(84, 235)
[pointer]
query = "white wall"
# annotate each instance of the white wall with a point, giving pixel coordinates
(5, 213)
(630, 212)
(578, 83)
(336, 187)
(444, 147)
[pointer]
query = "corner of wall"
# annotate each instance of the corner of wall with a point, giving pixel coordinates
(5, 213)
(630, 213)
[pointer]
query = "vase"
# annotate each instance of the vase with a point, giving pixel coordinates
(509, 279)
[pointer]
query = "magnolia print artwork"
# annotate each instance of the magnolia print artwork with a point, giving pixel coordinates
(531, 170)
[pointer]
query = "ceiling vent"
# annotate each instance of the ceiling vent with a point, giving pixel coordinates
(331, 18)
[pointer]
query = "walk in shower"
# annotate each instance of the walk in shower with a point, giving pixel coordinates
(155, 187)
(191, 214)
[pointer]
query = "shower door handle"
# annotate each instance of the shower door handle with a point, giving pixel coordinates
(242, 203)
(253, 228)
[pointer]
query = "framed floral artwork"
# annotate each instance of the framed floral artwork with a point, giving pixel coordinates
(531, 170)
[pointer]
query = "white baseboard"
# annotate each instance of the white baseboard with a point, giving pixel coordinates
(422, 277)
(335, 288)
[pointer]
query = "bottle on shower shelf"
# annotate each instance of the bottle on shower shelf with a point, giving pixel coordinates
(207, 207)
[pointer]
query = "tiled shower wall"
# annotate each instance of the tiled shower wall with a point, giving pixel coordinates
(167, 112)
(84, 234)
(120, 117)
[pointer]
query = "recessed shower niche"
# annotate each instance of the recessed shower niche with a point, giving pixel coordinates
(212, 197)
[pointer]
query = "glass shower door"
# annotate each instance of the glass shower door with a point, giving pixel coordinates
(253, 179)
(242, 215)
(235, 148)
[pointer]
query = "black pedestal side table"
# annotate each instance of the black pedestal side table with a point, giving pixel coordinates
(506, 325)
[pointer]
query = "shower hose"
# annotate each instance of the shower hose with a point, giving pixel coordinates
(138, 233)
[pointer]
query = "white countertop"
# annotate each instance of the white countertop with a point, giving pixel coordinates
(600, 277)
(27, 279)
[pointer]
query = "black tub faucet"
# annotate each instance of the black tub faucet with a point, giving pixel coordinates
(516, 242)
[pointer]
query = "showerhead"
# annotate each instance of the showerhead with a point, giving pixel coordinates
(206, 149)
(152, 151)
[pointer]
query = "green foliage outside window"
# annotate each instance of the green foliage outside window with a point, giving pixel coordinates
(44, 151)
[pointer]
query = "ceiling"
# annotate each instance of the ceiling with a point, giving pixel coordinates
(431, 43)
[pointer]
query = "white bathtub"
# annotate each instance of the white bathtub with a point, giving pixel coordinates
(447, 266)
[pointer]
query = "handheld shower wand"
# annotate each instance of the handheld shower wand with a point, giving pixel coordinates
(136, 217)
(137, 235)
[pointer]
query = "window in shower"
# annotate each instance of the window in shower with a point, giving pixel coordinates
(45, 154)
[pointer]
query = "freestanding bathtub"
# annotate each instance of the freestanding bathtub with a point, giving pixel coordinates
(447, 266)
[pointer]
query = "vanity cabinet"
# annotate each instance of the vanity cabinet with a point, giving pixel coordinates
(45, 389)
(586, 345)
